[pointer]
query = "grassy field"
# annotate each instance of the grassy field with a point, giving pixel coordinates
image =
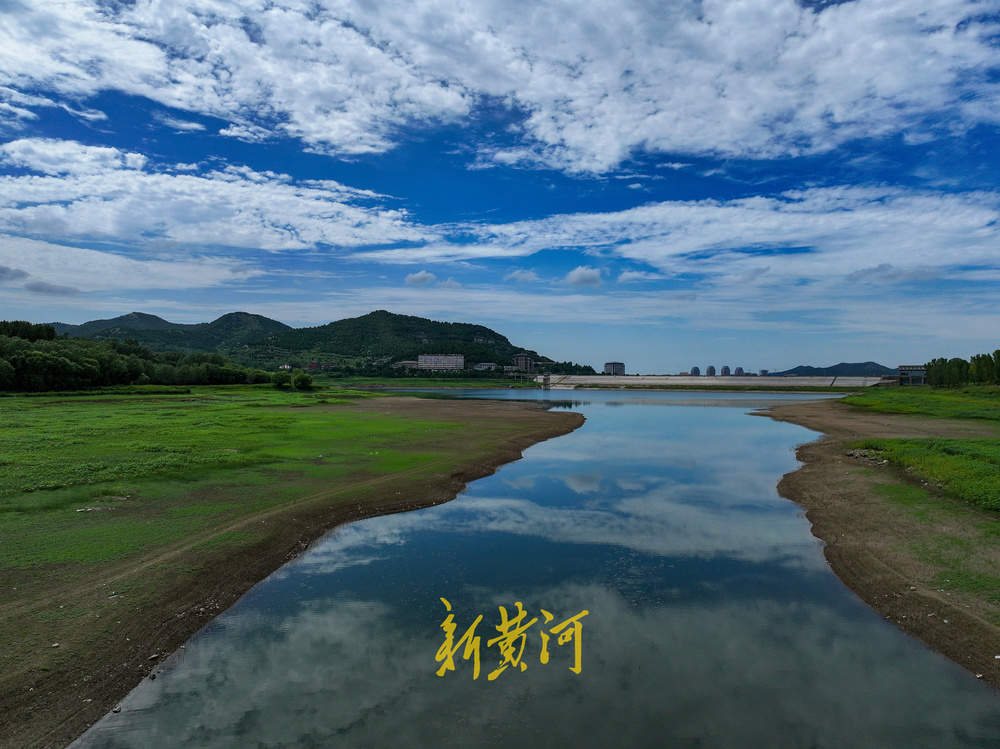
(127, 520)
(973, 402)
(953, 474)
(967, 469)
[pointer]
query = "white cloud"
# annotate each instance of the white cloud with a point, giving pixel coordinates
(630, 276)
(176, 123)
(838, 231)
(247, 133)
(595, 85)
(90, 115)
(51, 156)
(102, 193)
(521, 274)
(420, 278)
(57, 269)
(584, 276)
(450, 283)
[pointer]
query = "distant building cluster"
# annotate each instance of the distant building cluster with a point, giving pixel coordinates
(614, 368)
(724, 372)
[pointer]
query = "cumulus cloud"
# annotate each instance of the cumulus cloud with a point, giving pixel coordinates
(686, 78)
(94, 192)
(520, 274)
(420, 278)
(52, 156)
(246, 133)
(631, 276)
(450, 283)
(583, 276)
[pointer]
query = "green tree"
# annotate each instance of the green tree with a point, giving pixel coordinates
(301, 381)
(6, 374)
(281, 379)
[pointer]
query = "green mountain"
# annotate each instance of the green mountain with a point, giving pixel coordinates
(219, 336)
(131, 321)
(384, 335)
(376, 338)
(844, 369)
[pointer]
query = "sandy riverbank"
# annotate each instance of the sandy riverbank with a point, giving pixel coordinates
(49, 703)
(879, 548)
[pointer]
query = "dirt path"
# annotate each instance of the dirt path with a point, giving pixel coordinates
(887, 553)
(49, 708)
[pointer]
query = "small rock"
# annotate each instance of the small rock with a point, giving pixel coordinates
(979, 676)
(55, 644)
(152, 677)
(116, 709)
(153, 657)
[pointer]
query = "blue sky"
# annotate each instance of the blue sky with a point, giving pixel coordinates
(759, 183)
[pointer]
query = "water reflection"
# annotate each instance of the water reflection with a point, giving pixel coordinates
(714, 621)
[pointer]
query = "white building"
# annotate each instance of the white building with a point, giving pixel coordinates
(441, 361)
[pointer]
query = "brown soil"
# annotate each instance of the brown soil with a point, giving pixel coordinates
(49, 707)
(874, 545)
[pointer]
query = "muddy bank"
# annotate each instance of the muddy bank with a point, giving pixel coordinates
(878, 548)
(51, 706)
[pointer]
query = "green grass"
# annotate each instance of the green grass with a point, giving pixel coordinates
(158, 468)
(968, 469)
(973, 402)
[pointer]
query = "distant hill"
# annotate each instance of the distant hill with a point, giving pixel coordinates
(382, 334)
(844, 369)
(229, 331)
(379, 336)
(131, 321)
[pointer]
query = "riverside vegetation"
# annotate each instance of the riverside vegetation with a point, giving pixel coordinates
(952, 491)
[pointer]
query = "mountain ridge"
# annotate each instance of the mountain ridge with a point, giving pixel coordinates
(841, 369)
(379, 336)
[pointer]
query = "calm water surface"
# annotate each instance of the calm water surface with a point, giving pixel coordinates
(714, 620)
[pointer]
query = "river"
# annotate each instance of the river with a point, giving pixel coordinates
(712, 619)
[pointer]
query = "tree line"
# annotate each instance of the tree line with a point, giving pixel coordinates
(980, 369)
(34, 359)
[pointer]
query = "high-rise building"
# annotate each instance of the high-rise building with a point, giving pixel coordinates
(695, 372)
(738, 372)
(524, 362)
(710, 371)
(765, 372)
(614, 368)
(725, 370)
